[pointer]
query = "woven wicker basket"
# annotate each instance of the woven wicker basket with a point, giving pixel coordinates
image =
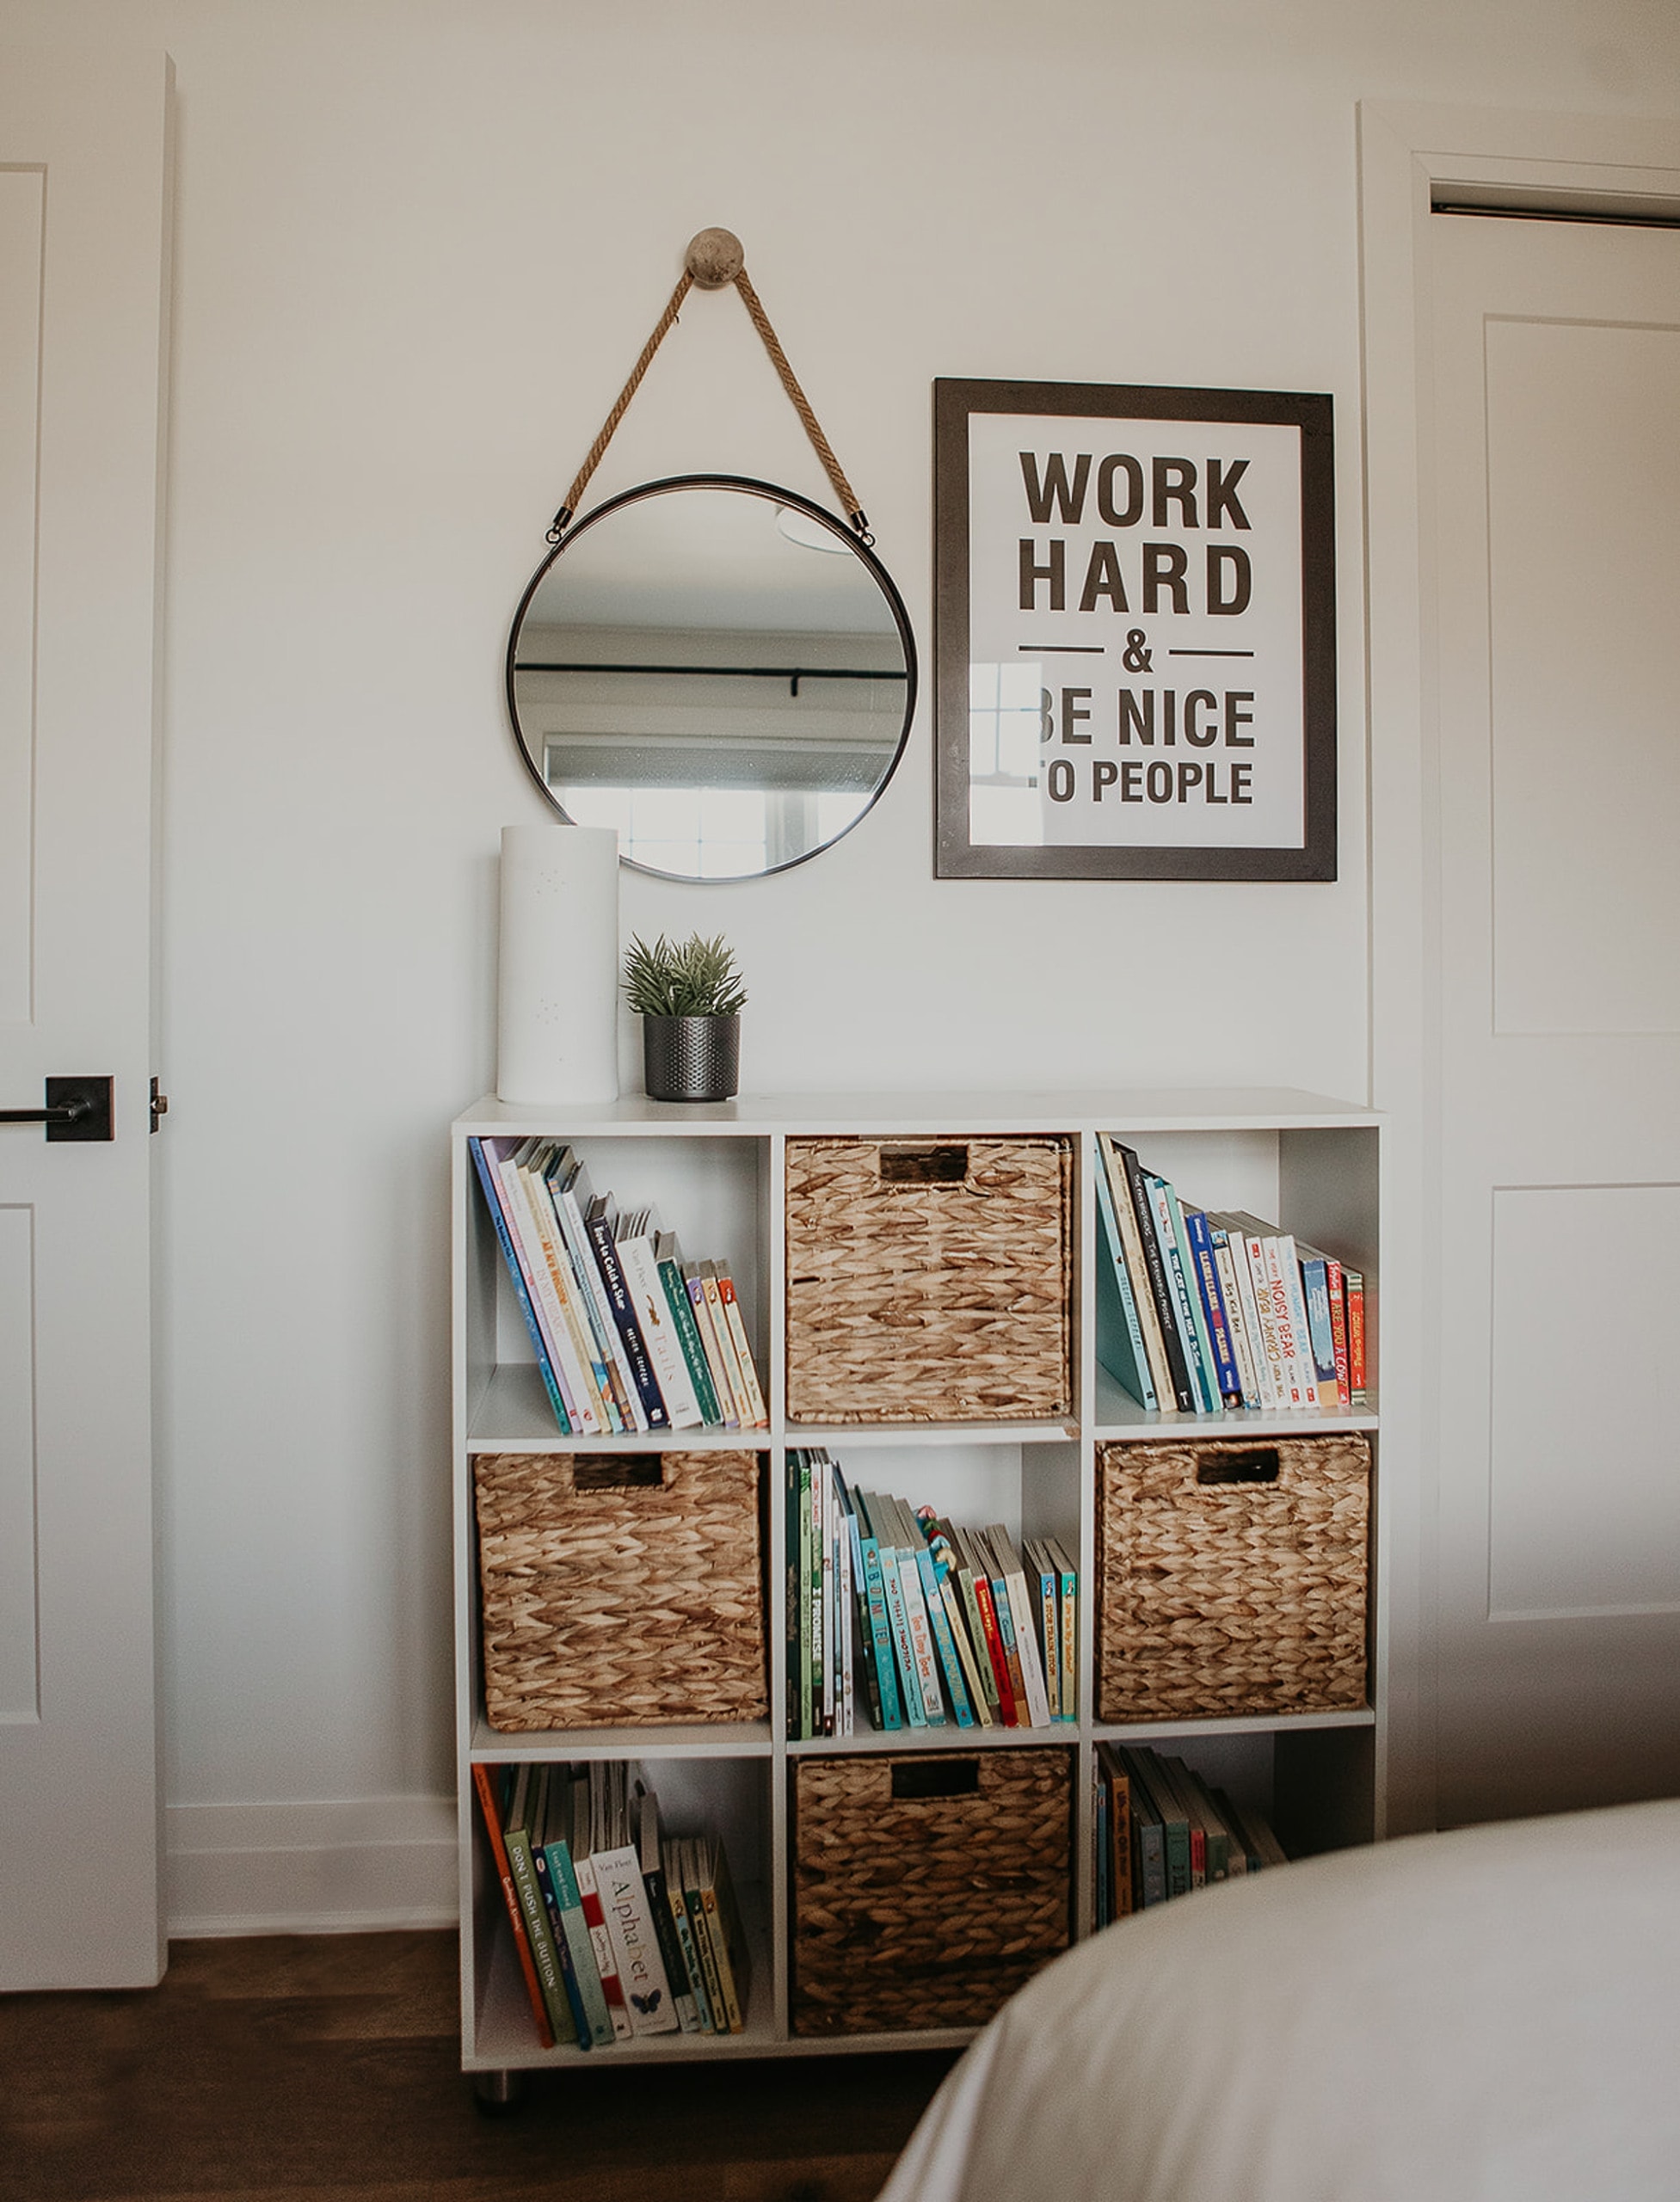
(620, 1587)
(928, 1280)
(1231, 1577)
(926, 1888)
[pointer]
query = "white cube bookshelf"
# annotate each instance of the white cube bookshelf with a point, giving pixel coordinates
(716, 1173)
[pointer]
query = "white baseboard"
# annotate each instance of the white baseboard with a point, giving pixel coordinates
(365, 1865)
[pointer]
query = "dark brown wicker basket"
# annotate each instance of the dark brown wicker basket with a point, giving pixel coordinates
(1231, 1577)
(927, 1280)
(927, 1888)
(620, 1587)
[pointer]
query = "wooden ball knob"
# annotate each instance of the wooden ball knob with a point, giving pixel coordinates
(714, 258)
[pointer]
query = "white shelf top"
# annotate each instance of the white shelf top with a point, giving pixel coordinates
(1161, 1109)
(1120, 1419)
(505, 2037)
(889, 1742)
(1235, 1422)
(1240, 1724)
(854, 1435)
(515, 1416)
(669, 1739)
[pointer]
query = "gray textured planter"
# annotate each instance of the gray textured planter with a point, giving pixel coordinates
(691, 1058)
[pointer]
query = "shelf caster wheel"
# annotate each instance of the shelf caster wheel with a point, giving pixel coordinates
(498, 2095)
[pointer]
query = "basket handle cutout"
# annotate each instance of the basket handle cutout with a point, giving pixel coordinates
(948, 1777)
(618, 1471)
(924, 1165)
(1259, 1466)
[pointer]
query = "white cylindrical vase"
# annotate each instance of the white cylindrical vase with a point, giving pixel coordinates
(557, 996)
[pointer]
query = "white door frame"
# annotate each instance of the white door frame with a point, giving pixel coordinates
(90, 136)
(1406, 154)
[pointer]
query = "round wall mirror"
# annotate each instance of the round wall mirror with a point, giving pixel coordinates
(719, 668)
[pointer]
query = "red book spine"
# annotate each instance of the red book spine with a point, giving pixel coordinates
(995, 1653)
(1355, 1338)
(483, 1781)
(1336, 1280)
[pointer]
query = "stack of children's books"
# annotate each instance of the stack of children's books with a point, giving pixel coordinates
(1162, 1831)
(628, 1337)
(898, 1618)
(621, 1929)
(1198, 1311)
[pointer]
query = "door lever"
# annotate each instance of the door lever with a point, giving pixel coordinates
(77, 1108)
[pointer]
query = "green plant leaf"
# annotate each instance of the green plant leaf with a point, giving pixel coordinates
(696, 977)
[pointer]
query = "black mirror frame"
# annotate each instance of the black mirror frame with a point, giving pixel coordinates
(772, 495)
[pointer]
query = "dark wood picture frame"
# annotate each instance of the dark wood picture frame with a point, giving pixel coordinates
(957, 856)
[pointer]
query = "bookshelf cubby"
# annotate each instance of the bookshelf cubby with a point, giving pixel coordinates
(716, 1173)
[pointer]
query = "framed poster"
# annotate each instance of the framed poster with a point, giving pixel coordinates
(1135, 647)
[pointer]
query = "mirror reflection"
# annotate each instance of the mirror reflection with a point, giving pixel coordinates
(717, 667)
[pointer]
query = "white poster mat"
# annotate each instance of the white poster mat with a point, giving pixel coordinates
(1135, 633)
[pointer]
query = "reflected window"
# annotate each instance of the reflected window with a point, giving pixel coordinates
(699, 832)
(701, 776)
(712, 832)
(730, 697)
(1006, 721)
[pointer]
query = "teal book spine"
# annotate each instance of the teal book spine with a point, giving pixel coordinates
(924, 1654)
(691, 1956)
(1198, 1353)
(858, 1622)
(1043, 1578)
(794, 1640)
(817, 1626)
(576, 1927)
(1154, 1263)
(880, 1629)
(563, 1952)
(1067, 1585)
(1175, 1841)
(898, 1620)
(807, 1647)
(522, 1292)
(1148, 1838)
(944, 1643)
(1120, 1346)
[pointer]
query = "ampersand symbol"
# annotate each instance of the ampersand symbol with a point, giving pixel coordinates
(1137, 659)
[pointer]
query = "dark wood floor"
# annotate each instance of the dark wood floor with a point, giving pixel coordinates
(327, 2069)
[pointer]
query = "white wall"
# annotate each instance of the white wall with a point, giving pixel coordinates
(420, 243)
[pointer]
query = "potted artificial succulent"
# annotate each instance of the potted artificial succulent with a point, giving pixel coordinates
(688, 994)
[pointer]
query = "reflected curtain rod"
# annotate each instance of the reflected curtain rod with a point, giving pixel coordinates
(793, 674)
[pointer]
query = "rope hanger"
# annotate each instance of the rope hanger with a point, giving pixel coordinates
(715, 259)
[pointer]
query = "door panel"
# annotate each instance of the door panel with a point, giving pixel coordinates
(1554, 408)
(1566, 1541)
(1584, 490)
(82, 231)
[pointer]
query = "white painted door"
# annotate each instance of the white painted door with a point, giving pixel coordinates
(84, 216)
(1551, 458)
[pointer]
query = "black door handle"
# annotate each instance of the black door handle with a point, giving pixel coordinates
(77, 1108)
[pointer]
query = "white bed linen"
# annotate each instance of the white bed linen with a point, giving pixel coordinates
(1489, 2016)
